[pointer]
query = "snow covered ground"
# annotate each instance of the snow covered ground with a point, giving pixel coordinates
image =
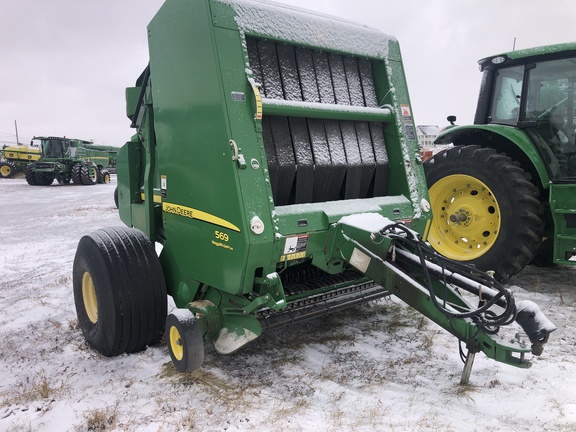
(379, 367)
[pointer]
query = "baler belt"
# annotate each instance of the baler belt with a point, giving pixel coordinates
(314, 160)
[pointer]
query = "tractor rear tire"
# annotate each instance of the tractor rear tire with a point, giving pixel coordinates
(486, 210)
(75, 173)
(103, 176)
(119, 291)
(31, 176)
(185, 342)
(7, 169)
(88, 175)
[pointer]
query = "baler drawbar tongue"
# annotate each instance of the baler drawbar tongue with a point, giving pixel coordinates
(432, 284)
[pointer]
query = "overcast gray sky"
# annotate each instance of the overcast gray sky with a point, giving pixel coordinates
(64, 64)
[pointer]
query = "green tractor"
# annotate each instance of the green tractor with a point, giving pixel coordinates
(276, 170)
(66, 160)
(505, 194)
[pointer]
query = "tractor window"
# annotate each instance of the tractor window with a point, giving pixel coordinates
(506, 98)
(550, 104)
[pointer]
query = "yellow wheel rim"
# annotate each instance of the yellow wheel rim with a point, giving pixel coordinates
(89, 296)
(5, 170)
(466, 220)
(107, 178)
(176, 345)
(93, 172)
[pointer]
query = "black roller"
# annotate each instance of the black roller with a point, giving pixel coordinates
(353, 161)
(367, 157)
(304, 160)
(367, 81)
(271, 81)
(323, 77)
(289, 72)
(353, 81)
(382, 169)
(338, 156)
(252, 46)
(322, 160)
(285, 158)
(339, 79)
(307, 75)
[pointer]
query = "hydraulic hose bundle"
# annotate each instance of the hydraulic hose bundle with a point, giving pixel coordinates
(409, 249)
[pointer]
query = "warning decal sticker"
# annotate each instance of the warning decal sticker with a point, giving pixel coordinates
(295, 247)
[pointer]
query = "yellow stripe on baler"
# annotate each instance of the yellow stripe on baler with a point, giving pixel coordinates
(191, 213)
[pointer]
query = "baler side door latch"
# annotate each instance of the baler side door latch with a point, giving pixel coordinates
(237, 156)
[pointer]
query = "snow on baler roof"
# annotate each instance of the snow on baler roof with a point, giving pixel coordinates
(294, 25)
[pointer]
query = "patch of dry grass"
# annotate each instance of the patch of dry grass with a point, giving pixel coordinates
(37, 387)
(100, 419)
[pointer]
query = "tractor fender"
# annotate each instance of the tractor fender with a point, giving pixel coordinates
(504, 139)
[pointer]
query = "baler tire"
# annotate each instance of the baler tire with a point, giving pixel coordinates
(119, 291)
(185, 342)
(501, 224)
(116, 196)
(7, 169)
(75, 173)
(31, 176)
(87, 178)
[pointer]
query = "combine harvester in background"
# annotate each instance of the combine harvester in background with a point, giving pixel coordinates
(504, 195)
(66, 159)
(276, 164)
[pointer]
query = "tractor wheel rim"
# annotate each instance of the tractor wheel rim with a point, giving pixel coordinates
(89, 297)
(94, 174)
(467, 217)
(176, 345)
(5, 170)
(107, 178)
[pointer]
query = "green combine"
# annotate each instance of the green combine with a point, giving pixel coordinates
(275, 168)
(65, 160)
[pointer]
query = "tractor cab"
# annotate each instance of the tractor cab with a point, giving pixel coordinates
(538, 97)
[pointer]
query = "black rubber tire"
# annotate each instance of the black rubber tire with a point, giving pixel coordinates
(103, 176)
(31, 176)
(85, 176)
(189, 344)
(116, 196)
(8, 169)
(119, 291)
(75, 173)
(43, 179)
(521, 223)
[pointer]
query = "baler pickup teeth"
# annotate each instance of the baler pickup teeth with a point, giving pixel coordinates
(322, 304)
